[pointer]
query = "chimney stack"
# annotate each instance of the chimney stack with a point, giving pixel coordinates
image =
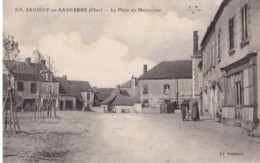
(195, 42)
(65, 77)
(43, 62)
(145, 69)
(133, 82)
(117, 89)
(95, 89)
(28, 61)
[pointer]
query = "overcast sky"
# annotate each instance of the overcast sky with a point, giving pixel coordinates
(107, 48)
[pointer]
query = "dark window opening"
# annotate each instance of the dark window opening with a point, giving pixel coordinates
(166, 89)
(145, 89)
(231, 34)
(244, 21)
(20, 86)
(33, 88)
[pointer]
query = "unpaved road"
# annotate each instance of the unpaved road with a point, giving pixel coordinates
(93, 137)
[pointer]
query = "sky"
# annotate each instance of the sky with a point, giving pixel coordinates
(107, 48)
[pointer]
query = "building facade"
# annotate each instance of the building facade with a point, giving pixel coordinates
(196, 72)
(32, 81)
(169, 81)
(74, 95)
(231, 63)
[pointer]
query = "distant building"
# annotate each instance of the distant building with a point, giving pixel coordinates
(120, 101)
(101, 94)
(231, 65)
(74, 95)
(132, 87)
(169, 81)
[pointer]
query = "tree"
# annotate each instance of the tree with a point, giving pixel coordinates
(38, 56)
(10, 53)
(39, 107)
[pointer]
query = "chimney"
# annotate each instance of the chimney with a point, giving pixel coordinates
(65, 77)
(145, 69)
(95, 89)
(133, 79)
(117, 89)
(195, 42)
(43, 62)
(28, 61)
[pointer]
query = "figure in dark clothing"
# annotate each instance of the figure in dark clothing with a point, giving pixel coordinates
(174, 106)
(185, 110)
(195, 110)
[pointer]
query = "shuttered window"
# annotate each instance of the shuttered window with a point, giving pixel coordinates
(244, 22)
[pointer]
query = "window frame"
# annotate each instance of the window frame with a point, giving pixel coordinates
(20, 89)
(33, 91)
(145, 89)
(88, 96)
(164, 89)
(244, 24)
(219, 45)
(231, 27)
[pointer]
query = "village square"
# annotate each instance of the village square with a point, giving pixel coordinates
(204, 108)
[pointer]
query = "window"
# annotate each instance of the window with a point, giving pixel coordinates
(244, 21)
(239, 94)
(47, 77)
(166, 89)
(49, 88)
(20, 86)
(219, 46)
(33, 88)
(231, 34)
(145, 89)
(88, 96)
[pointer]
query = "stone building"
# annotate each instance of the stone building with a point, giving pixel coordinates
(74, 95)
(101, 94)
(196, 71)
(231, 64)
(169, 81)
(132, 87)
(119, 101)
(32, 81)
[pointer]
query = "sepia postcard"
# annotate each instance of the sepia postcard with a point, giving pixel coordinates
(131, 81)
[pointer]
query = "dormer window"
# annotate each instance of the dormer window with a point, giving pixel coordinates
(47, 76)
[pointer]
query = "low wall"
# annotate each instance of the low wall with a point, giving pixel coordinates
(248, 114)
(98, 109)
(138, 108)
(151, 110)
(125, 109)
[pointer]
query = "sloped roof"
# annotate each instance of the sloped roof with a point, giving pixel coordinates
(114, 95)
(214, 21)
(103, 93)
(23, 71)
(127, 84)
(170, 70)
(65, 86)
(73, 88)
(125, 100)
(109, 99)
(82, 86)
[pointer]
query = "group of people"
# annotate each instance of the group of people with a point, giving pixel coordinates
(190, 109)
